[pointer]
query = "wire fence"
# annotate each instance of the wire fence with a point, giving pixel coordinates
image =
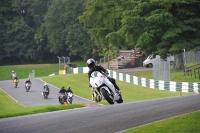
(106, 59)
(161, 70)
(62, 62)
(192, 56)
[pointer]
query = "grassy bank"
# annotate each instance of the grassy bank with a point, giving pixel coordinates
(40, 70)
(188, 123)
(24, 70)
(130, 92)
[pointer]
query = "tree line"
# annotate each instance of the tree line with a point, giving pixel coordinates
(39, 31)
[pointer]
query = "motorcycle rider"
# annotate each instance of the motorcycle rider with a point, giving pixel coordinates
(45, 88)
(27, 81)
(69, 89)
(13, 73)
(110, 82)
(63, 92)
(16, 79)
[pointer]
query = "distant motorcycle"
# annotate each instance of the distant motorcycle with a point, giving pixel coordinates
(70, 97)
(62, 98)
(15, 83)
(46, 94)
(13, 75)
(27, 86)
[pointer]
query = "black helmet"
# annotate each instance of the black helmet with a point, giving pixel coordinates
(62, 87)
(91, 63)
(68, 88)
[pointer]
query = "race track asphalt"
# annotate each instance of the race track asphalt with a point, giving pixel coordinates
(34, 97)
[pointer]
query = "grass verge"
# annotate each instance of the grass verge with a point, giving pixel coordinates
(188, 123)
(130, 92)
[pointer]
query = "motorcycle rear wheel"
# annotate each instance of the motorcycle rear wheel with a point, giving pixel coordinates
(45, 95)
(27, 89)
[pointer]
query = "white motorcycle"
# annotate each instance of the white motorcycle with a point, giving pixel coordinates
(97, 81)
(28, 86)
(70, 97)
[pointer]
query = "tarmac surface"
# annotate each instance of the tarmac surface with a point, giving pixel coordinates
(34, 96)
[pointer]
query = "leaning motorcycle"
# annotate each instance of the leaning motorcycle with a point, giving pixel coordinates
(70, 97)
(15, 83)
(27, 86)
(97, 81)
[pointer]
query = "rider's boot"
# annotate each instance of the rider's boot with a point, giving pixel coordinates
(116, 97)
(112, 87)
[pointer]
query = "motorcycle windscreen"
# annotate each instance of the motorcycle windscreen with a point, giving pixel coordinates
(94, 74)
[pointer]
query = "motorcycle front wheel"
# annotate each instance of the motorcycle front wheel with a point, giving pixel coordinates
(27, 89)
(106, 96)
(98, 98)
(70, 101)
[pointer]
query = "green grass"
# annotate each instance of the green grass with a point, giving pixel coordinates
(24, 70)
(188, 123)
(40, 70)
(79, 63)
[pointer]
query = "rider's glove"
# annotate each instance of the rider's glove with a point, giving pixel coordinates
(107, 73)
(90, 85)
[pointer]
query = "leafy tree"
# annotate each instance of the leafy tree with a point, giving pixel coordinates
(64, 32)
(163, 26)
(38, 10)
(102, 18)
(5, 17)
